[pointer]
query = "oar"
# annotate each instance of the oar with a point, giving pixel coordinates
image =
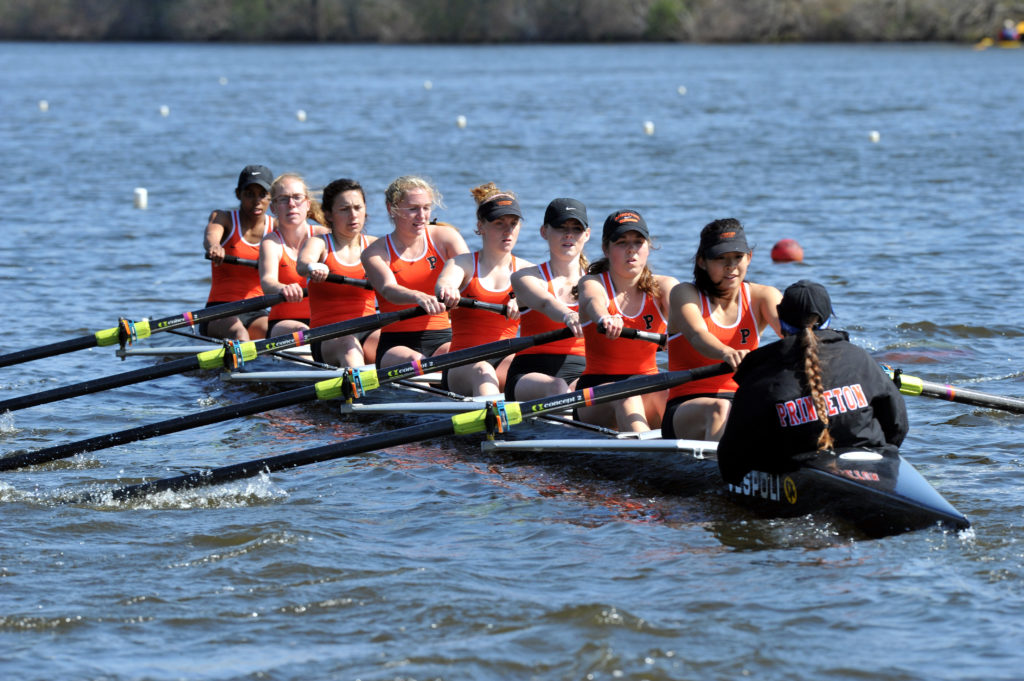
(635, 334)
(333, 278)
(233, 352)
(366, 379)
(128, 330)
(499, 417)
(912, 385)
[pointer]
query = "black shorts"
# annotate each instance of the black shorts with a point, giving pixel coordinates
(566, 367)
(667, 429)
(317, 350)
(247, 318)
(424, 342)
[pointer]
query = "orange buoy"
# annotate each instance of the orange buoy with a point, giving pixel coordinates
(787, 250)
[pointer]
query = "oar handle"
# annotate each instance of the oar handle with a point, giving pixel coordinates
(635, 334)
(332, 278)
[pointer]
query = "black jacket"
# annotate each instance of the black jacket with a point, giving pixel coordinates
(772, 417)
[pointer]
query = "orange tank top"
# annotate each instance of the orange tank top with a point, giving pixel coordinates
(742, 334)
(236, 282)
(534, 322)
(620, 356)
(419, 274)
(475, 327)
(330, 303)
(288, 274)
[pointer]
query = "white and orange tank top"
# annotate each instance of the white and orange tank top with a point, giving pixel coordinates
(329, 302)
(420, 274)
(236, 282)
(624, 356)
(534, 322)
(287, 273)
(475, 327)
(741, 334)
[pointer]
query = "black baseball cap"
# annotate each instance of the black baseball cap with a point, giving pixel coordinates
(622, 221)
(260, 175)
(723, 236)
(800, 301)
(561, 210)
(497, 206)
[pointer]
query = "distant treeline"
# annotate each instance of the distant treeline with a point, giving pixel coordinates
(487, 21)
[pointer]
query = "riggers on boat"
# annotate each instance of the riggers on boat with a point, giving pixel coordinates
(878, 495)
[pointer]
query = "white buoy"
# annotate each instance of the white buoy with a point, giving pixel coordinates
(681, 89)
(223, 80)
(301, 115)
(648, 127)
(460, 121)
(874, 136)
(44, 105)
(165, 110)
(141, 198)
(427, 85)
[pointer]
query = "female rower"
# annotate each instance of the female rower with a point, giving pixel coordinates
(238, 233)
(717, 318)
(279, 251)
(812, 390)
(484, 275)
(549, 291)
(344, 207)
(620, 291)
(403, 268)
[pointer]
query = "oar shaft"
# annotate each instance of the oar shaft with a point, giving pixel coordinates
(179, 366)
(51, 350)
(332, 278)
(180, 423)
(952, 393)
(249, 469)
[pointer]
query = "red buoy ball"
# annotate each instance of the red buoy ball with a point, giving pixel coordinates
(787, 250)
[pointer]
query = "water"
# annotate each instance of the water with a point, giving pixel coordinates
(430, 561)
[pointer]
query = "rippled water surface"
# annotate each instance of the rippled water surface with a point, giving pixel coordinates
(432, 561)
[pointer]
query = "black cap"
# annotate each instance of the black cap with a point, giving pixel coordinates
(497, 206)
(622, 221)
(561, 210)
(723, 236)
(260, 175)
(800, 301)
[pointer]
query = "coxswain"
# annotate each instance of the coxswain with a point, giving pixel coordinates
(813, 390)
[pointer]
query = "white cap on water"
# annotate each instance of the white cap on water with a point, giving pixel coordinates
(165, 110)
(44, 105)
(301, 115)
(648, 127)
(141, 198)
(460, 121)
(874, 136)
(681, 89)
(427, 85)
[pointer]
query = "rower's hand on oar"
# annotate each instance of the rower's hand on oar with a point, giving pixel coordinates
(318, 271)
(429, 303)
(215, 254)
(292, 293)
(733, 357)
(449, 296)
(512, 309)
(612, 324)
(572, 320)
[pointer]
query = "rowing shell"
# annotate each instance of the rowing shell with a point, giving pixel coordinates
(878, 495)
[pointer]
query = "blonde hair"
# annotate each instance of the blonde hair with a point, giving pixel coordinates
(401, 186)
(315, 211)
(814, 382)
